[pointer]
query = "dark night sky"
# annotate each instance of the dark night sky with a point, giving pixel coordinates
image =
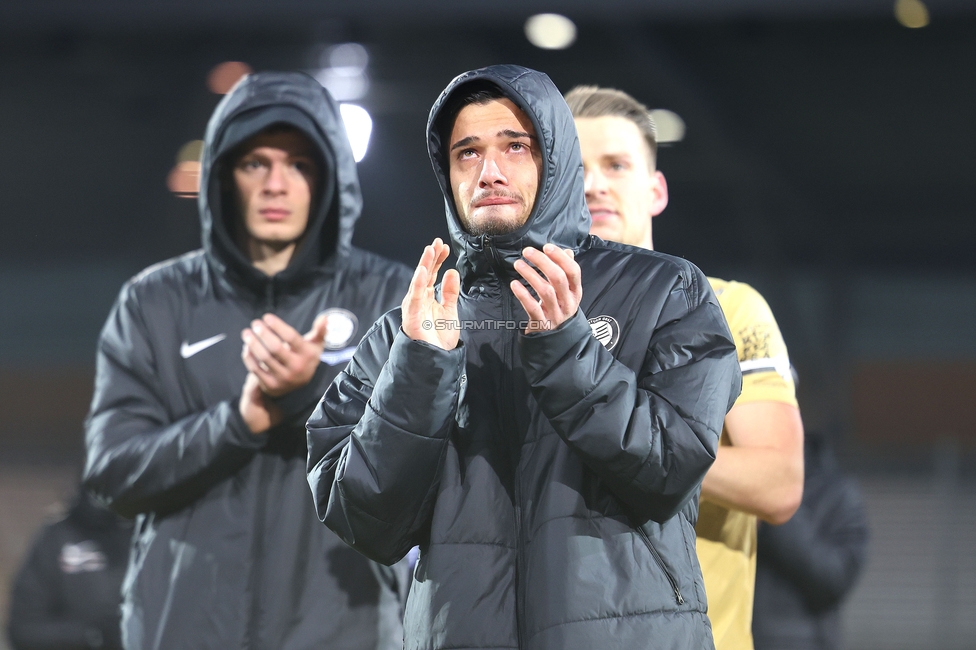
(808, 143)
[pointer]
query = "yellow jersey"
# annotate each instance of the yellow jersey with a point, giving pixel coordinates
(727, 538)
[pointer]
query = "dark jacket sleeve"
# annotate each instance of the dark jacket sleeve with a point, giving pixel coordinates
(140, 458)
(822, 548)
(378, 438)
(35, 622)
(652, 435)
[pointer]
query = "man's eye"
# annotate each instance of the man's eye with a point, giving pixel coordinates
(618, 166)
(518, 146)
(251, 165)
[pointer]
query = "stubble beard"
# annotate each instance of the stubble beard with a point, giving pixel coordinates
(490, 223)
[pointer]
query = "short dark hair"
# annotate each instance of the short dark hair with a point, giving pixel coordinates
(478, 92)
(593, 101)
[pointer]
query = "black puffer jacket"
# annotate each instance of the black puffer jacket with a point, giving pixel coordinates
(550, 480)
(66, 594)
(228, 553)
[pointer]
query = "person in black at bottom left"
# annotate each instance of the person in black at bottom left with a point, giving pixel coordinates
(541, 423)
(201, 438)
(66, 594)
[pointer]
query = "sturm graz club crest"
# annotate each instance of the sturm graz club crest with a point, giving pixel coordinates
(341, 327)
(606, 330)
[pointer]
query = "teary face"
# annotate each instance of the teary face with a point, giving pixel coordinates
(495, 163)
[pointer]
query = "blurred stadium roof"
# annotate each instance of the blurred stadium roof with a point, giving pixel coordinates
(46, 14)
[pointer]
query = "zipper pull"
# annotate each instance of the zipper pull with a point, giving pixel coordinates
(269, 295)
(488, 245)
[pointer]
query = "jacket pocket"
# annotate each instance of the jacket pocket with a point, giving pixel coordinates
(660, 562)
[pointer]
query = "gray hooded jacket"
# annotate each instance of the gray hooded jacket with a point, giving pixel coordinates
(227, 552)
(551, 480)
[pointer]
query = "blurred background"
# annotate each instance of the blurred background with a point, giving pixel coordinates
(822, 151)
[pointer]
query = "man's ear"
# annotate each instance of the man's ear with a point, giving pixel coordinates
(659, 193)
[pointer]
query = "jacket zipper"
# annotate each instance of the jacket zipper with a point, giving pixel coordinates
(257, 548)
(660, 561)
(260, 513)
(491, 253)
(517, 486)
(495, 261)
(269, 296)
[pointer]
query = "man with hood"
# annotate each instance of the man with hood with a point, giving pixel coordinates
(202, 440)
(540, 423)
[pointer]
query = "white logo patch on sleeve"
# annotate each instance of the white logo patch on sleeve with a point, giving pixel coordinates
(341, 326)
(605, 330)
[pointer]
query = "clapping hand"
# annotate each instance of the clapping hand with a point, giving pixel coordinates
(424, 318)
(282, 359)
(278, 360)
(560, 289)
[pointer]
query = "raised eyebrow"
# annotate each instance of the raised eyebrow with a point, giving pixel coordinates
(463, 142)
(517, 134)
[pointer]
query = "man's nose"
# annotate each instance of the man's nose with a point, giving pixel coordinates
(276, 181)
(594, 182)
(491, 173)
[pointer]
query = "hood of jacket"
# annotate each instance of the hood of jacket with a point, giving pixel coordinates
(559, 215)
(255, 103)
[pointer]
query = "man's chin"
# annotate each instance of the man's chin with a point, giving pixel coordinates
(276, 237)
(494, 222)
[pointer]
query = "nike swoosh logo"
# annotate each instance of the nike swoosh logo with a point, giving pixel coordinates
(187, 350)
